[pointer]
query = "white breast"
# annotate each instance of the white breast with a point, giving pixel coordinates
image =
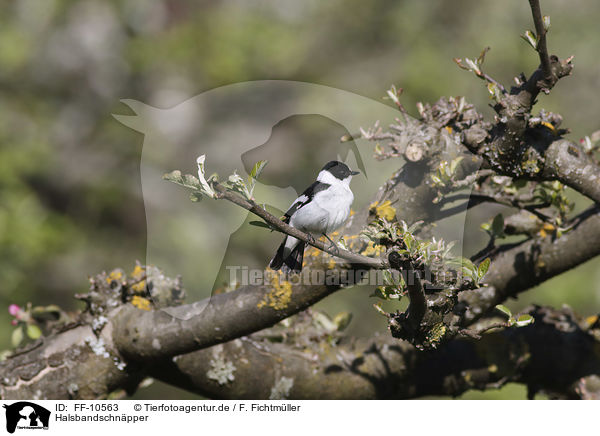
(328, 210)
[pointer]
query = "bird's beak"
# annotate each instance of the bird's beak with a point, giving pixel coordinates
(354, 172)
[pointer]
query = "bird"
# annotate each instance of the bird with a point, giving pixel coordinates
(322, 208)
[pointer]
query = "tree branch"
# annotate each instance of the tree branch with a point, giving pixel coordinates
(554, 355)
(141, 335)
(516, 268)
(566, 162)
(540, 30)
(75, 363)
(352, 258)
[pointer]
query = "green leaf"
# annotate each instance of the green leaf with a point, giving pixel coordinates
(483, 268)
(436, 180)
(414, 226)
(46, 313)
(505, 310)
(546, 20)
(387, 276)
(17, 336)
(258, 168)
(379, 293)
(324, 321)
(196, 196)
(531, 39)
(481, 57)
(33, 331)
(191, 181)
(236, 184)
(206, 188)
(380, 310)
(342, 320)
(393, 95)
(454, 164)
(187, 181)
(472, 65)
(4, 355)
(524, 320)
(494, 91)
(174, 176)
(254, 174)
(498, 226)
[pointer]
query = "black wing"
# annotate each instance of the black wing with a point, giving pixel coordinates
(304, 199)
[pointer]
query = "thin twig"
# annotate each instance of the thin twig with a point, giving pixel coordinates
(472, 178)
(476, 334)
(479, 73)
(540, 30)
(476, 199)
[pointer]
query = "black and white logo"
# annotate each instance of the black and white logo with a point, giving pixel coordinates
(26, 416)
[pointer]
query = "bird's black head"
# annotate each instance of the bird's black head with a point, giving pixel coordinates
(339, 169)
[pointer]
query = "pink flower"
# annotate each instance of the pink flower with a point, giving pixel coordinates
(14, 322)
(14, 310)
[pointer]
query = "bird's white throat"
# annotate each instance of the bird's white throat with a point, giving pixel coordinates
(326, 177)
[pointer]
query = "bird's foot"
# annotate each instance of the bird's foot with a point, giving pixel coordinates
(333, 247)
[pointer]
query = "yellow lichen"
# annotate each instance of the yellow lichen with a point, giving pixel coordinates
(547, 229)
(312, 252)
(448, 129)
(141, 303)
(138, 271)
(547, 124)
(467, 377)
(373, 249)
(139, 286)
(279, 296)
(540, 264)
(383, 210)
(114, 276)
(315, 252)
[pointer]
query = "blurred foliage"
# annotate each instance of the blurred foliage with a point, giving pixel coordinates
(70, 194)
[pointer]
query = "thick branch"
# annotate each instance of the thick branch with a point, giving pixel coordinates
(553, 355)
(76, 364)
(518, 268)
(71, 364)
(142, 335)
(566, 162)
(223, 317)
(406, 325)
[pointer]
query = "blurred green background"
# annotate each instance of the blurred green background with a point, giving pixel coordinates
(70, 194)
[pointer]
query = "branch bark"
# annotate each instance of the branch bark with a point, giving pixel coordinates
(555, 355)
(211, 347)
(541, 38)
(522, 266)
(76, 363)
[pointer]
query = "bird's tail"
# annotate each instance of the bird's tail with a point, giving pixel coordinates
(286, 260)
